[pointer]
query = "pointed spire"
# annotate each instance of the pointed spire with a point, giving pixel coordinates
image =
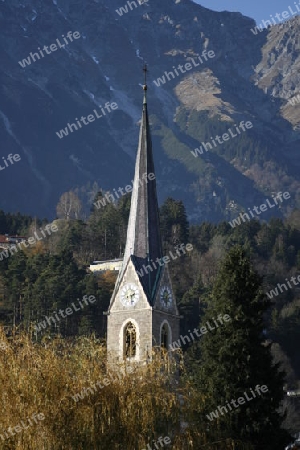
(143, 243)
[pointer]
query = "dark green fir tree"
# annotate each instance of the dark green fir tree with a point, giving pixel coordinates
(233, 358)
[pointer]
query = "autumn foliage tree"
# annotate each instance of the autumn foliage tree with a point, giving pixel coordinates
(69, 206)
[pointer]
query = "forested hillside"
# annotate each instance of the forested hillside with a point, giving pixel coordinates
(53, 275)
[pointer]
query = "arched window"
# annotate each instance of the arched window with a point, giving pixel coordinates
(129, 340)
(164, 336)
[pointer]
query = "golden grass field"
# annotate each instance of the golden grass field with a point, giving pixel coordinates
(123, 411)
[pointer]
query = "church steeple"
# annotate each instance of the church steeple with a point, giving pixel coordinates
(142, 313)
(143, 243)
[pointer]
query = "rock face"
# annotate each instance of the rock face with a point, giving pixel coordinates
(252, 77)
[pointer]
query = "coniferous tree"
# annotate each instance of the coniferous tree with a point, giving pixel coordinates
(190, 306)
(235, 359)
(174, 223)
(96, 205)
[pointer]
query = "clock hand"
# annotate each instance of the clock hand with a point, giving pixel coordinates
(129, 294)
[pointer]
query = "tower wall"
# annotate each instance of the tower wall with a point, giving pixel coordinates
(142, 319)
(159, 317)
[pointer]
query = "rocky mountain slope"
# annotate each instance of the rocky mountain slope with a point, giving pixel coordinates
(251, 78)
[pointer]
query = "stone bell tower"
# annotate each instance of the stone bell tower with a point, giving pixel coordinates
(142, 314)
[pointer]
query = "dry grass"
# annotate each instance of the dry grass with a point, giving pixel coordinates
(130, 411)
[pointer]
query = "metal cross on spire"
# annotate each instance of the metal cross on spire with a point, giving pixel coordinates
(145, 70)
(145, 87)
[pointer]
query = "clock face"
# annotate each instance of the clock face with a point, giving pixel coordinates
(129, 294)
(166, 296)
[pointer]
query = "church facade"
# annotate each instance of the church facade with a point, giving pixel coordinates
(143, 314)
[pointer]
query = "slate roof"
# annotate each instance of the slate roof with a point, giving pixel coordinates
(143, 243)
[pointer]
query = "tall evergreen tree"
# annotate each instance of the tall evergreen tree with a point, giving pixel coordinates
(235, 359)
(174, 223)
(190, 306)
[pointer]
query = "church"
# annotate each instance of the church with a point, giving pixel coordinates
(142, 314)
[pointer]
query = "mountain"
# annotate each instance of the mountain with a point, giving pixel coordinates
(252, 77)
